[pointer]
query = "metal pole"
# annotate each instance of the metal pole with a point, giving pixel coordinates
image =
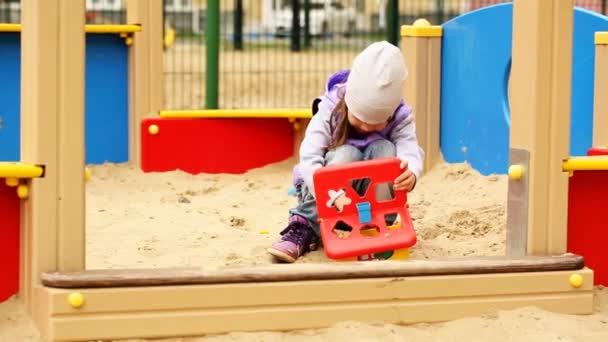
(307, 24)
(238, 24)
(212, 29)
(392, 22)
(295, 26)
(440, 12)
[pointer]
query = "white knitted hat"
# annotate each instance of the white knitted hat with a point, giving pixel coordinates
(375, 84)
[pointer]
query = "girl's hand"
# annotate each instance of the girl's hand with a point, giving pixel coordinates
(406, 180)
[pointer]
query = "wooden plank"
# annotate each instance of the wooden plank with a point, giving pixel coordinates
(295, 272)
(540, 114)
(190, 297)
(167, 311)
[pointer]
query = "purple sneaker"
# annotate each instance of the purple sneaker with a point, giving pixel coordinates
(297, 239)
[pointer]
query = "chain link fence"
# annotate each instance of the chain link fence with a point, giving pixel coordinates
(263, 63)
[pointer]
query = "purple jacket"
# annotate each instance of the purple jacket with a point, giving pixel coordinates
(321, 132)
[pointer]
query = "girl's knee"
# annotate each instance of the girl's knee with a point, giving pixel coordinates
(344, 154)
(382, 148)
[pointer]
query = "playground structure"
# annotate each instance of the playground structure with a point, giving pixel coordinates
(68, 302)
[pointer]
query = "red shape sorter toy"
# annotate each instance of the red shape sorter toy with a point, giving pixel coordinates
(364, 211)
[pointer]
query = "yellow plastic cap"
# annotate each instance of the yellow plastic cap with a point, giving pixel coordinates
(576, 280)
(153, 129)
(12, 182)
(76, 299)
(421, 22)
(23, 191)
(516, 172)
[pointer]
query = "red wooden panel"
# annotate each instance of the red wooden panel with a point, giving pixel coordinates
(9, 241)
(210, 145)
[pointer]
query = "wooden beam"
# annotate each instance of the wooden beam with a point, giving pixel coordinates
(52, 135)
(540, 115)
(171, 311)
(422, 50)
(145, 68)
(306, 272)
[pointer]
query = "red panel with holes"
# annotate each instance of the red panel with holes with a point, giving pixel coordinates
(332, 179)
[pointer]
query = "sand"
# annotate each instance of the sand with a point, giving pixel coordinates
(172, 219)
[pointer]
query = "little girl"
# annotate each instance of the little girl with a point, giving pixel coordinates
(361, 116)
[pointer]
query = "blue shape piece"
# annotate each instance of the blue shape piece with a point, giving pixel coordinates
(291, 191)
(476, 65)
(365, 213)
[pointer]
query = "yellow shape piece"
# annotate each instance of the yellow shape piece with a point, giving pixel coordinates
(23, 191)
(264, 231)
(401, 254)
(76, 299)
(576, 280)
(153, 129)
(87, 174)
(516, 172)
(12, 182)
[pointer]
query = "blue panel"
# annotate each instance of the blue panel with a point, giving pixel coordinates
(106, 98)
(475, 69)
(586, 23)
(10, 120)
(107, 104)
(476, 53)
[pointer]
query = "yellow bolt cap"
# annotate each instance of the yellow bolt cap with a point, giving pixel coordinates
(12, 182)
(153, 129)
(23, 191)
(76, 299)
(576, 280)
(421, 22)
(516, 172)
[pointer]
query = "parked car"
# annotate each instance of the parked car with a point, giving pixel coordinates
(326, 17)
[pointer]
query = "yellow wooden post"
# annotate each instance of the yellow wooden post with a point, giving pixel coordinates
(52, 135)
(145, 68)
(540, 123)
(422, 50)
(600, 100)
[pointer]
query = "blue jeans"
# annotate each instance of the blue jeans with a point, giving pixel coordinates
(307, 206)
